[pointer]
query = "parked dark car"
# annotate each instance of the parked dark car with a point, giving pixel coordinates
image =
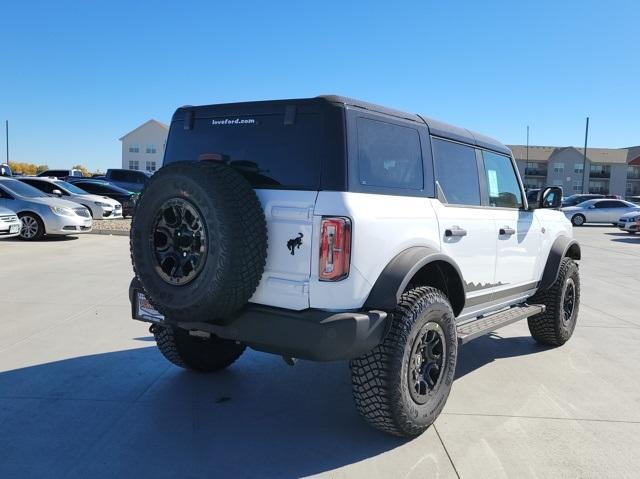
(100, 187)
(575, 200)
(130, 180)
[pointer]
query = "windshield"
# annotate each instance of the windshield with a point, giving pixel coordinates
(70, 188)
(102, 187)
(22, 189)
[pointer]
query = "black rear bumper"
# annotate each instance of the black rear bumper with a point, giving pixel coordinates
(310, 334)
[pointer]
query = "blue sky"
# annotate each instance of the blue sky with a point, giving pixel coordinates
(75, 76)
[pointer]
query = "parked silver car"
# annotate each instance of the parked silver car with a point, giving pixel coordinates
(100, 206)
(41, 214)
(599, 211)
(9, 224)
(630, 222)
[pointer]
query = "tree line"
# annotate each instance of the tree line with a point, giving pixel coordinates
(19, 168)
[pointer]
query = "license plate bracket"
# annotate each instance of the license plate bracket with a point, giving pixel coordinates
(144, 311)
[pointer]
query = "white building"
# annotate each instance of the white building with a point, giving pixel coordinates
(143, 148)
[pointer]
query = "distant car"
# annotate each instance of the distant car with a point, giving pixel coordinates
(130, 180)
(10, 224)
(575, 200)
(101, 187)
(5, 170)
(41, 214)
(634, 199)
(62, 174)
(101, 207)
(599, 211)
(630, 222)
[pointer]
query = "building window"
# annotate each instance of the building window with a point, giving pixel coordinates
(557, 183)
(578, 168)
(151, 149)
(134, 165)
(134, 148)
(577, 186)
(600, 171)
(558, 167)
(633, 172)
(151, 166)
(600, 187)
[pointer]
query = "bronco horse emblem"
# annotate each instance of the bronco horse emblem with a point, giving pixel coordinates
(294, 243)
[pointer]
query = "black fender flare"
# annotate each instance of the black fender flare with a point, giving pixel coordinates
(395, 277)
(562, 246)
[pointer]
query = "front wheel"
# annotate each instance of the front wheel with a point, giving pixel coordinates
(562, 300)
(193, 352)
(578, 220)
(32, 227)
(401, 386)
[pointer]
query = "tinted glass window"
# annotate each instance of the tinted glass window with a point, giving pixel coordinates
(22, 189)
(502, 183)
(63, 185)
(389, 155)
(456, 172)
(268, 151)
(56, 173)
(118, 175)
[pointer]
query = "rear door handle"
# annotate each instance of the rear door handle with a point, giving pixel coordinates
(507, 231)
(455, 231)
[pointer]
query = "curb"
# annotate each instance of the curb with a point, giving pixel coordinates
(109, 232)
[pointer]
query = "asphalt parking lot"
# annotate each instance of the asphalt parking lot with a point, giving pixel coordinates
(85, 393)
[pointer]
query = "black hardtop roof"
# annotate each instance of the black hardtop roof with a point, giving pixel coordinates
(436, 127)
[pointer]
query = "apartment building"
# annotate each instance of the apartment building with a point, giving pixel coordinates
(612, 171)
(143, 147)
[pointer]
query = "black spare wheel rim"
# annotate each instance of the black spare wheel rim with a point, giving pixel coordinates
(179, 242)
(568, 301)
(426, 362)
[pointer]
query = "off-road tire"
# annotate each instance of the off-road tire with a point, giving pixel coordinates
(192, 352)
(550, 327)
(236, 240)
(578, 220)
(380, 379)
(39, 224)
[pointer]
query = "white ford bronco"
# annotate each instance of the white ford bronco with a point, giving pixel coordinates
(334, 229)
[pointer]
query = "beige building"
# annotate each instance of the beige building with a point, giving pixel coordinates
(143, 148)
(613, 171)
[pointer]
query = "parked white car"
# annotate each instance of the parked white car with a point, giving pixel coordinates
(10, 224)
(101, 207)
(630, 222)
(599, 211)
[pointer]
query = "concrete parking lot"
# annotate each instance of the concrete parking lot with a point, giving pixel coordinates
(85, 393)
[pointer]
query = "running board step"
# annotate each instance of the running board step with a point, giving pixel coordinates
(484, 325)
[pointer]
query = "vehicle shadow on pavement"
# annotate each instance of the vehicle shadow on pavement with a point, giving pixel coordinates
(130, 414)
(488, 348)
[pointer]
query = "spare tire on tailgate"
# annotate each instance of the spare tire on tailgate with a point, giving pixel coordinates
(198, 241)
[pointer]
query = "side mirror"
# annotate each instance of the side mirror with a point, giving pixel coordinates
(57, 193)
(592, 207)
(549, 197)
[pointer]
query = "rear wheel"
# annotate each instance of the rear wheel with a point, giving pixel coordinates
(193, 352)
(562, 300)
(578, 220)
(401, 386)
(32, 227)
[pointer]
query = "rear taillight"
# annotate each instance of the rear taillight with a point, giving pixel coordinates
(335, 248)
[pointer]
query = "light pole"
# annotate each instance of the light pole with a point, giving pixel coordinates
(6, 128)
(585, 183)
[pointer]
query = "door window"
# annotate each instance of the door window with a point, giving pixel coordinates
(456, 171)
(502, 183)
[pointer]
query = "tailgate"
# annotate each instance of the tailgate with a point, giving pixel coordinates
(289, 215)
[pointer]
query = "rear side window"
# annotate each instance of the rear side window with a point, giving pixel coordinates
(502, 183)
(389, 155)
(456, 171)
